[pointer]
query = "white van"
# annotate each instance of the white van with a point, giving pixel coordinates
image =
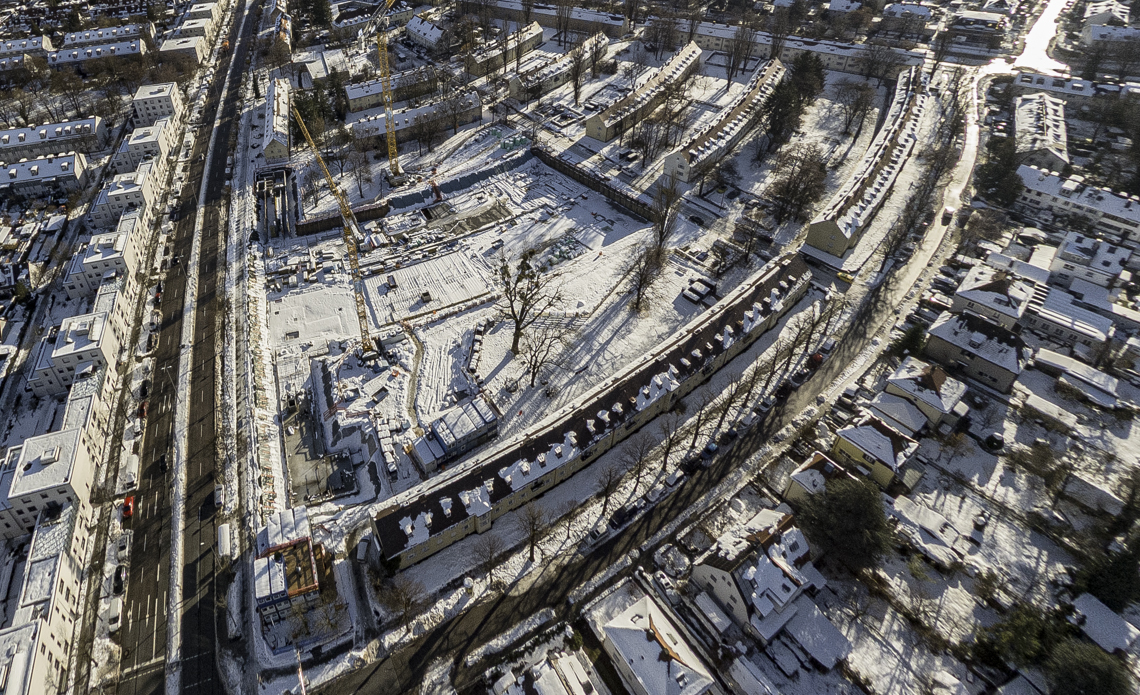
(224, 542)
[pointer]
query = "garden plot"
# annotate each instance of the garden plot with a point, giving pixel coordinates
(450, 279)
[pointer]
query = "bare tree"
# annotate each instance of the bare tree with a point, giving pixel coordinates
(403, 596)
(528, 9)
(485, 554)
(577, 70)
(607, 485)
(779, 26)
(541, 345)
(740, 50)
(636, 456)
(669, 433)
(361, 172)
(566, 514)
(310, 186)
(855, 100)
(532, 522)
(666, 200)
(426, 131)
(599, 46)
(644, 271)
(704, 399)
(880, 61)
(801, 181)
(731, 396)
(528, 291)
(562, 14)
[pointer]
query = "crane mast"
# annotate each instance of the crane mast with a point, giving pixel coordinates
(351, 232)
(386, 91)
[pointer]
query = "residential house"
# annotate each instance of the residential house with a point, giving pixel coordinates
(929, 388)
(874, 449)
(993, 294)
(1039, 126)
(1088, 258)
(60, 174)
(81, 135)
(980, 349)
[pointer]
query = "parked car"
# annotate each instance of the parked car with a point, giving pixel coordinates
(708, 453)
(128, 507)
(219, 496)
(766, 404)
(115, 615)
(697, 220)
(656, 493)
(845, 277)
(119, 579)
(675, 478)
(123, 547)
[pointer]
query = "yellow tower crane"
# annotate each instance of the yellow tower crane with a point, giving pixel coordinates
(386, 91)
(351, 232)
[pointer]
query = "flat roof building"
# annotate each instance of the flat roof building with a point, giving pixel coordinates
(193, 48)
(154, 101)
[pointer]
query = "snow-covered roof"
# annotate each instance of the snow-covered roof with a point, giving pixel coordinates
(1039, 122)
(32, 44)
(880, 441)
(153, 91)
(679, 65)
(1103, 626)
(1105, 11)
(843, 6)
(996, 290)
(811, 629)
(406, 118)
(64, 130)
(898, 412)
(577, 14)
(1022, 269)
(980, 338)
(813, 475)
(562, 63)
(425, 30)
(1079, 371)
(1080, 195)
(929, 384)
(105, 35)
(283, 528)
(1060, 308)
(45, 462)
(276, 127)
(1093, 253)
(41, 168)
(655, 651)
(105, 50)
(491, 50)
(903, 9)
(1108, 33)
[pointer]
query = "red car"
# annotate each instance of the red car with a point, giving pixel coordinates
(128, 507)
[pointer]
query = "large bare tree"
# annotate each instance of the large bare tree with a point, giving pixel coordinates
(854, 100)
(541, 346)
(644, 270)
(636, 455)
(528, 291)
(607, 485)
(403, 596)
(485, 554)
(666, 200)
(532, 522)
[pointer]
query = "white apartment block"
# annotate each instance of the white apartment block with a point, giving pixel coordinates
(50, 175)
(129, 32)
(1088, 258)
(138, 189)
(111, 254)
(32, 46)
(1108, 34)
(53, 468)
(197, 27)
(275, 128)
(154, 101)
(154, 143)
(82, 344)
(50, 138)
(82, 54)
(1048, 199)
(1039, 126)
(193, 48)
(471, 109)
(205, 10)
(35, 648)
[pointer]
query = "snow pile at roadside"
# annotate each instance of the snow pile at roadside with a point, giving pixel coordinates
(498, 644)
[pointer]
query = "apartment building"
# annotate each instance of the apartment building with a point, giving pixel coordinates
(205, 10)
(82, 344)
(582, 21)
(154, 101)
(497, 54)
(1108, 35)
(1048, 200)
(1089, 259)
(138, 189)
(553, 73)
(109, 35)
(426, 34)
(457, 431)
(993, 294)
(275, 124)
(405, 85)
(110, 254)
(193, 48)
(1039, 126)
(840, 226)
(155, 143)
(44, 176)
(203, 28)
(467, 109)
(980, 349)
(69, 57)
(629, 110)
(875, 449)
(31, 46)
(696, 156)
(30, 142)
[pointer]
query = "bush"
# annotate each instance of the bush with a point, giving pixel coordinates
(910, 343)
(1080, 668)
(847, 521)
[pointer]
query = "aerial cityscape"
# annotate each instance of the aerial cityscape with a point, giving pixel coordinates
(498, 347)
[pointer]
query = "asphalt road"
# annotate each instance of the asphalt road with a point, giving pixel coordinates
(144, 634)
